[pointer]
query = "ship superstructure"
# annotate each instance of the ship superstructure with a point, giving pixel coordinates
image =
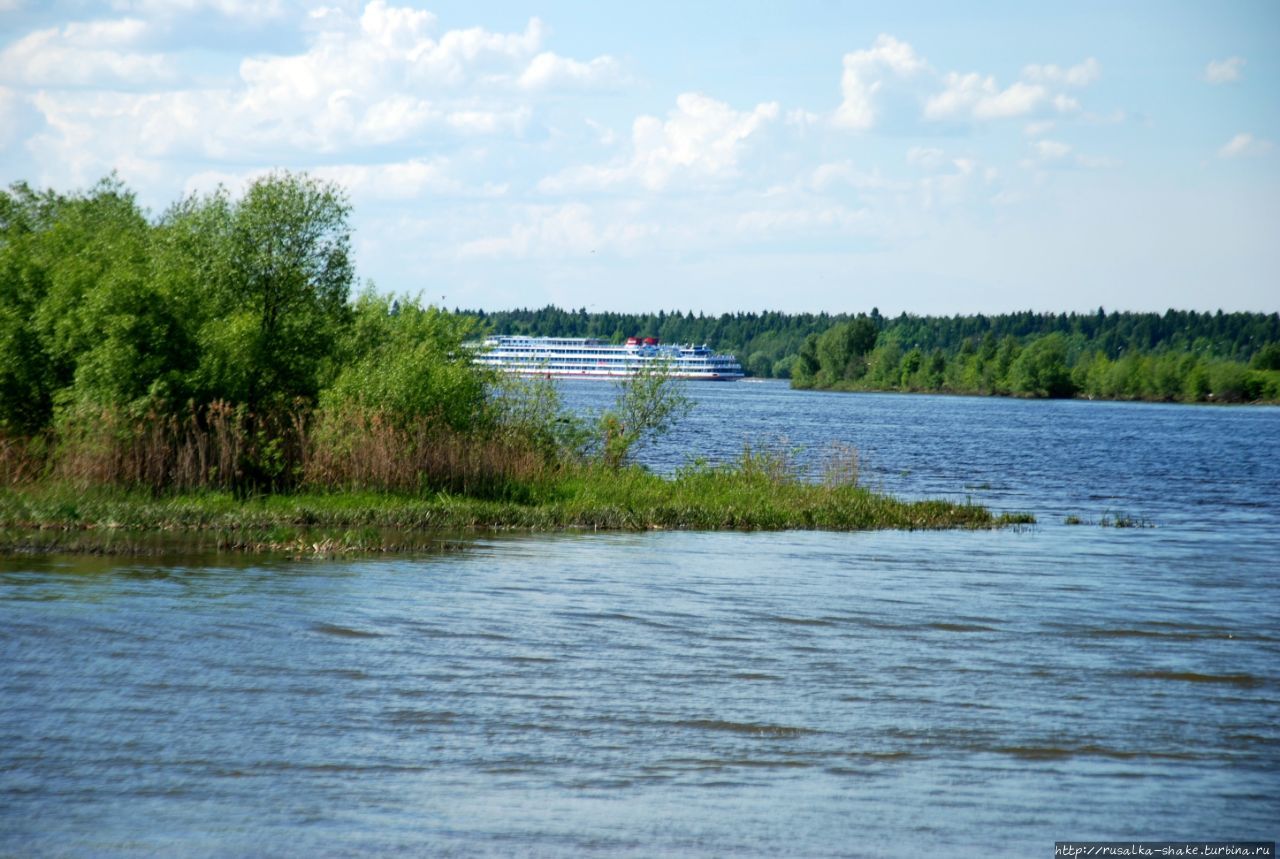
(587, 357)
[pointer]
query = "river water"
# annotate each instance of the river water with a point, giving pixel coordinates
(695, 694)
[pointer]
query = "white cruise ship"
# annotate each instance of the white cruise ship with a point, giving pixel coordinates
(586, 357)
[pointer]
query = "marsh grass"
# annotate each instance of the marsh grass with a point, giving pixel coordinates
(1112, 520)
(760, 491)
(1124, 520)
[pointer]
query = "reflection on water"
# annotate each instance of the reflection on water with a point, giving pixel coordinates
(688, 693)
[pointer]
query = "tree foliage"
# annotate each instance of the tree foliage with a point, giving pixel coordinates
(219, 299)
(648, 403)
(408, 361)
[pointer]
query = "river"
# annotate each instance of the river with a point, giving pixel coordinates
(696, 694)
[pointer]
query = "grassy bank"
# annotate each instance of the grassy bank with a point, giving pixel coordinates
(747, 496)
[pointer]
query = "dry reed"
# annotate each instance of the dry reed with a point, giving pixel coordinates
(357, 449)
(225, 447)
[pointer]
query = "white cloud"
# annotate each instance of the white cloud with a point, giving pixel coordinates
(551, 71)
(927, 157)
(702, 138)
(1051, 150)
(382, 76)
(1079, 75)
(572, 229)
(863, 79)
(890, 65)
(803, 119)
(803, 220)
(258, 10)
(824, 177)
(511, 121)
(1244, 145)
(1224, 71)
(95, 53)
(400, 181)
(976, 96)
(367, 183)
(605, 135)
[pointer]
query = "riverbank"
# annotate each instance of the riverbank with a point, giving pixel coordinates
(745, 496)
(1271, 381)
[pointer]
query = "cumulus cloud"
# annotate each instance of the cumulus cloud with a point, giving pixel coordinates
(864, 77)
(979, 97)
(1224, 71)
(94, 53)
(404, 180)
(550, 71)
(380, 75)
(572, 229)
(701, 138)
(889, 65)
(1244, 145)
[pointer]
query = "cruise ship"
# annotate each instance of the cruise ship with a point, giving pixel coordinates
(587, 358)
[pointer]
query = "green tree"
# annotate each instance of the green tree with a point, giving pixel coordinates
(280, 279)
(27, 377)
(805, 370)
(408, 363)
(649, 402)
(1041, 369)
(1267, 358)
(842, 349)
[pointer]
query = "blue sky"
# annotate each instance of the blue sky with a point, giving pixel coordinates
(920, 157)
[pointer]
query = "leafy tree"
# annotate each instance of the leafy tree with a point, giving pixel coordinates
(408, 363)
(1267, 358)
(805, 370)
(27, 379)
(1041, 369)
(649, 402)
(842, 350)
(280, 279)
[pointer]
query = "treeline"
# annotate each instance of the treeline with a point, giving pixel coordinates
(218, 346)
(781, 345)
(1188, 357)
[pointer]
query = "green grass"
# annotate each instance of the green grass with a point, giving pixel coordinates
(748, 496)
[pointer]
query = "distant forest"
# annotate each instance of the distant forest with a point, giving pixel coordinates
(1177, 355)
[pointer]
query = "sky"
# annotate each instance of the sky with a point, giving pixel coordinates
(816, 155)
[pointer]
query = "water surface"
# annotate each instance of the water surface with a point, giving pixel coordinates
(752, 694)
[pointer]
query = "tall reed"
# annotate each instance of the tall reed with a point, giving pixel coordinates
(218, 446)
(369, 449)
(226, 447)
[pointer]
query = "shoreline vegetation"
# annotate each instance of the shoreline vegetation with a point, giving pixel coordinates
(207, 373)
(741, 497)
